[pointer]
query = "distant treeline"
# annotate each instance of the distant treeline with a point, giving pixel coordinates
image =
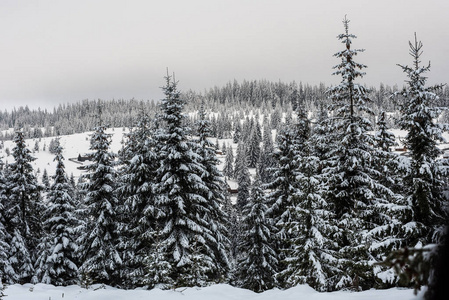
(234, 96)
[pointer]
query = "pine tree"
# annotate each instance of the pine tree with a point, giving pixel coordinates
(424, 177)
(237, 132)
(59, 261)
(45, 180)
(353, 191)
(184, 234)
(228, 169)
(266, 160)
(308, 259)
(283, 187)
(426, 222)
(392, 210)
(242, 175)
(258, 263)
(6, 271)
(218, 242)
(23, 211)
(253, 149)
(137, 179)
(99, 239)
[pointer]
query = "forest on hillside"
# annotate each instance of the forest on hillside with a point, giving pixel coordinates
(263, 95)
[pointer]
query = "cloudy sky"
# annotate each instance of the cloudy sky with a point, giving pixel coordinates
(61, 51)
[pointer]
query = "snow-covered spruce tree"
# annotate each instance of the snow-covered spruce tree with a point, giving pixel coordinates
(183, 231)
(384, 138)
(45, 180)
(308, 259)
(253, 149)
(424, 227)
(242, 175)
(218, 242)
(283, 187)
(228, 169)
(391, 208)
(98, 241)
(353, 190)
(266, 160)
(139, 165)
(319, 136)
(424, 177)
(6, 271)
(237, 132)
(257, 266)
(57, 264)
(23, 211)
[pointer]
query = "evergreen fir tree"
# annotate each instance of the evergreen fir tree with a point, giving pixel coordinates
(354, 192)
(242, 176)
(184, 234)
(253, 149)
(308, 259)
(218, 242)
(424, 177)
(45, 180)
(283, 187)
(257, 267)
(59, 261)
(392, 211)
(137, 180)
(100, 259)
(6, 271)
(23, 211)
(228, 169)
(266, 161)
(237, 132)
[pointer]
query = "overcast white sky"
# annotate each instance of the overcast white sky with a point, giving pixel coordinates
(55, 52)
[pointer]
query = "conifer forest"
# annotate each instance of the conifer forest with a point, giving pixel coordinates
(256, 184)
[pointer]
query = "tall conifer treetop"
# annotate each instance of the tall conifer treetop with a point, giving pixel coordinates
(425, 175)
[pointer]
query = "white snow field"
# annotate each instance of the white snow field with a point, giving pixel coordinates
(215, 292)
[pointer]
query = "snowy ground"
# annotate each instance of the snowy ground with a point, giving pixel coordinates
(215, 292)
(79, 144)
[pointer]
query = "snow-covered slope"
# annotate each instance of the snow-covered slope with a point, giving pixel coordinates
(79, 144)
